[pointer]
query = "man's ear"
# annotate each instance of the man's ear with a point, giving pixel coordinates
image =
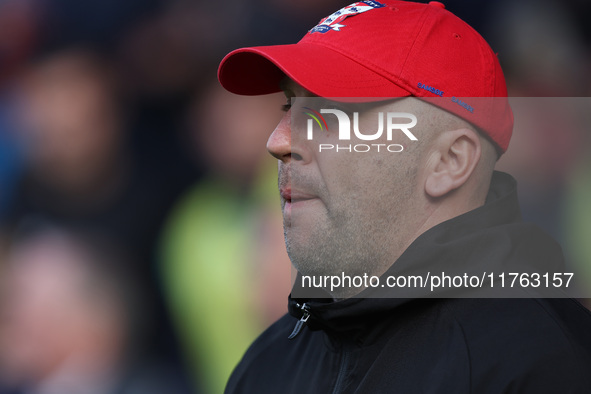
(453, 159)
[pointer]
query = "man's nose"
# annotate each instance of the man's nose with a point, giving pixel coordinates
(279, 143)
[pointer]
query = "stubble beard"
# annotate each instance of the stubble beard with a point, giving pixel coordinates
(352, 238)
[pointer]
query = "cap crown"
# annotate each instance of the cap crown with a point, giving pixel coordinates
(374, 49)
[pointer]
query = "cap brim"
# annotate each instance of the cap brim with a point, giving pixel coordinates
(322, 71)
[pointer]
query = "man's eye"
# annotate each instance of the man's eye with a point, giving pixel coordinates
(286, 107)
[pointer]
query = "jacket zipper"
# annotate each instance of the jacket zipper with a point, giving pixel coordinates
(338, 387)
(300, 324)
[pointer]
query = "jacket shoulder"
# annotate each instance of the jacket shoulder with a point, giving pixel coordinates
(270, 341)
(526, 345)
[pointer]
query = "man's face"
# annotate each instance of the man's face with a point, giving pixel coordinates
(351, 212)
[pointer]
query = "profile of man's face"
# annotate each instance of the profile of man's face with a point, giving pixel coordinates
(347, 211)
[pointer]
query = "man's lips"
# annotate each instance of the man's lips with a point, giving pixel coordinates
(296, 199)
(293, 196)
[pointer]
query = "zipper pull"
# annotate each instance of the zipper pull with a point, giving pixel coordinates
(300, 324)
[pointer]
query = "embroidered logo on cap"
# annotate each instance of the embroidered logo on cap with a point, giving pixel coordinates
(332, 22)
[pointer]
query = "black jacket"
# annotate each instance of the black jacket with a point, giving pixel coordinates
(435, 345)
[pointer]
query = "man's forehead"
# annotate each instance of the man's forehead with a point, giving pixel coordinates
(293, 89)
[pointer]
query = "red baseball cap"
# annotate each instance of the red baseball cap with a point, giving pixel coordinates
(386, 48)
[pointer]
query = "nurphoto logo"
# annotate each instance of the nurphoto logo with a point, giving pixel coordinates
(394, 121)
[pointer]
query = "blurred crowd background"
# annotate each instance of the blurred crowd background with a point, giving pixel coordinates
(141, 247)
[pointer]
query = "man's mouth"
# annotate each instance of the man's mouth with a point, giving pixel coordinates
(295, 198)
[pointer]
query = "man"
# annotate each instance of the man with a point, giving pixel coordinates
(380, 223)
